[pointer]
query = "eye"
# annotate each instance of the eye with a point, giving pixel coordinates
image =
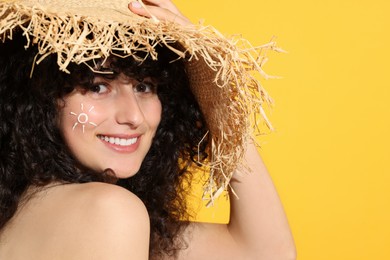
(145, 87)
(99, 88)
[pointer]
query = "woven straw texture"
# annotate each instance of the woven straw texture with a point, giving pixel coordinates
(223, 72)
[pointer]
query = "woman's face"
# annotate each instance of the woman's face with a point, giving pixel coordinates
(112, 124)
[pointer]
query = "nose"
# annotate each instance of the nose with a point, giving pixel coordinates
(128, 110)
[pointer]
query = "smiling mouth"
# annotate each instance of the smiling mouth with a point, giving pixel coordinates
(118, 141)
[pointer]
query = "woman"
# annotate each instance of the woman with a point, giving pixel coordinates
(94, 154)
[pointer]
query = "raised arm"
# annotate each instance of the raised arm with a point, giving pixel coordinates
(258, 227)
(258, 222)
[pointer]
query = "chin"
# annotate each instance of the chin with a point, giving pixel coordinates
(124, 174)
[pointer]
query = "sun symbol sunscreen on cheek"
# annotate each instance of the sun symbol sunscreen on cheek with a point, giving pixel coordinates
(82, 118)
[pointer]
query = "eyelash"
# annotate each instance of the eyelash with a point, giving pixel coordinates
(139, 87)
(94, 88)
(147, 87)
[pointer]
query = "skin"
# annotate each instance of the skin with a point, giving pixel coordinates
(112, 223)
(78, 221)
(258, 228)
(108, 221)
(122, 108)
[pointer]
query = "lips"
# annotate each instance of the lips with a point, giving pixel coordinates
(118, 141)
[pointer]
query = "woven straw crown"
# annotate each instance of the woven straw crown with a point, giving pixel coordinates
(222, 71)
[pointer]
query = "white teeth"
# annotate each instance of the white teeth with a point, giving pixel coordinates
(118, 141)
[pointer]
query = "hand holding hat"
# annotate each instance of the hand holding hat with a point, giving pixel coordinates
(159, 9)
(223, 72)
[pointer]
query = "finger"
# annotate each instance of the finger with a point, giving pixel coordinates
(171, 13)
(162, 14)
(167, 4)
(164, 4)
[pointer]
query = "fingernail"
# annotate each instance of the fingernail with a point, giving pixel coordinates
(136, 4)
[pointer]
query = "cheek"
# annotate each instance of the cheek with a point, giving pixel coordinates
(79, 117)
(95, 112)
(157, 111)
(152, 112)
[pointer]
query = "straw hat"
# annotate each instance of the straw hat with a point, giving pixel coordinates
(223, 72)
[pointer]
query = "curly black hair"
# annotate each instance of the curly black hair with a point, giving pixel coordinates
(33, 151)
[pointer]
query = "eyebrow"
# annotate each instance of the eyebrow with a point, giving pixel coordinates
(104, 70)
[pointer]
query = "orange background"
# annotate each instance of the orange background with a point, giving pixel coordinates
(329, 156)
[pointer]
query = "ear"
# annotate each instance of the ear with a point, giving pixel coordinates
(60, 104)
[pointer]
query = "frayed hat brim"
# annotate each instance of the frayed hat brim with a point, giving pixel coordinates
(223, 72)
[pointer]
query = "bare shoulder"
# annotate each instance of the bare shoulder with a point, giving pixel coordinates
(81, 221)
(103, 196)
(107, 220)
(100, 200)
